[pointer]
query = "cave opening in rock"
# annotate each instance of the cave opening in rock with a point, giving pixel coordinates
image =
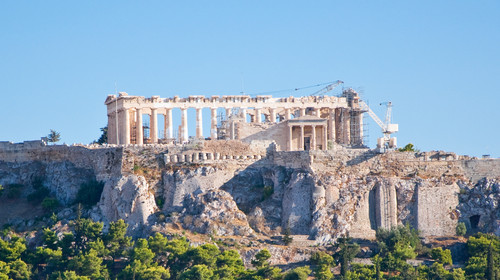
(474, 221)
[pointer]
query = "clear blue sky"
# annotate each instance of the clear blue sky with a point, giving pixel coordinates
(437, 61)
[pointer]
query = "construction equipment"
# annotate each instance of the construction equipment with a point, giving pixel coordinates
(326, 89)
(384, 143)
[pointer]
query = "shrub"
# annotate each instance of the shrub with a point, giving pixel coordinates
(89, 193)
(267, 192)
(159, 202)
(50, 203)
(299, 273)
(287, 239)
(14, 190)
(408, 148)
(461, 229)
(38, 195)
(441, 256)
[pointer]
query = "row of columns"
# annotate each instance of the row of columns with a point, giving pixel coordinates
(124, 126)
(313, 144)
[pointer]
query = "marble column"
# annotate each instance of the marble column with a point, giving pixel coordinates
(244, 114)
(112, 129)
(199, 123)
(153, 130)
(301, 139)
(273, 115)
(331, 124)
(138, 128)
(290, 138)
(287, 114)
(184, 125)
(258, 115)
(324, 138)
(126, 127)
(317, 112)
(165, 126)
(302, 112)
(313, 138)
(213, 124)
(170, 124)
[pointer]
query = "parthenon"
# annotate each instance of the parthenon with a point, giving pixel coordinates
(293, 123)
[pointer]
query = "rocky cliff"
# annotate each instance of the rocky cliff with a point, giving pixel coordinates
(319, 194)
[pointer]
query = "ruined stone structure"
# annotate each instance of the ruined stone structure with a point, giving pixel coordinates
(293, 123)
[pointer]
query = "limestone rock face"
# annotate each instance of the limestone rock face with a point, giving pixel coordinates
(479, 205)
(297, 203)
(214, 212)
(178, 184)
(129, 199)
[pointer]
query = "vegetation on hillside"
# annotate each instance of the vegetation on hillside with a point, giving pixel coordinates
(87, 252)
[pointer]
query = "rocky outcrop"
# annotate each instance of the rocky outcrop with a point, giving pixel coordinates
(214, 212)
(479, 205)
(129, 199)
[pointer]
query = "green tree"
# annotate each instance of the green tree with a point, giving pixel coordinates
(140, 271)
(71, 275)
(86, 231)
(442, 256)
(287, 239)
(67, 245)
(50, 203)
(377, 260)
(19, 270)
(323, 262)
(46, 260)
(142, 252)
(89, 264)
(104, 136)
(197, 272)
(346, 253)
(116, 240)
(360, 271)
(12, 250)
(478, 247)
(99, 246)
(457, 274)
(229, 265)
(53, 136)
(4, 270)
(261, 258)
(89, 193)
(490, 264)
(299, 273)
(461, 229)
(49, 239)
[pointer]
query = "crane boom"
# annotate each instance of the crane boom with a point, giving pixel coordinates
(328, 88)
(365, 107)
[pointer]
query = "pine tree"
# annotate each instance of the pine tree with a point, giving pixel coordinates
(287, 239)
(490, 264)
(53, 136)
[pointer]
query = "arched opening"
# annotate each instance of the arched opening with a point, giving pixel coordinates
(474, 221)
